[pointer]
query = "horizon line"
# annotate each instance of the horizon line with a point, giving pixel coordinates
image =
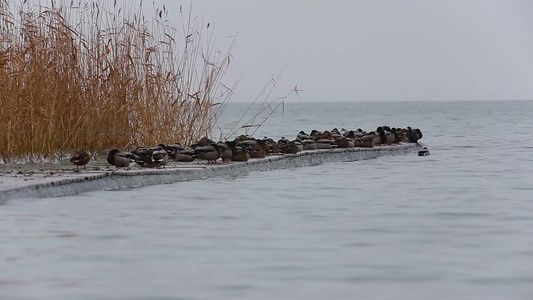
(385, 101)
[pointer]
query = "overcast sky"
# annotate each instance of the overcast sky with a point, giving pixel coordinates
(378, 50)
(375, 50)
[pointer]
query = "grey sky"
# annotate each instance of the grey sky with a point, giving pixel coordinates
(378, 50)
(375, 50)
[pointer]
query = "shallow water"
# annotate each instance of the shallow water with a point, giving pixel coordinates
(457, 224)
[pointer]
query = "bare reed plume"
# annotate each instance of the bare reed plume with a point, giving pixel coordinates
(258, 111)
(85, 74)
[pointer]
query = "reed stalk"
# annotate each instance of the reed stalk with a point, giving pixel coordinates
(84, 74)
(259, 110)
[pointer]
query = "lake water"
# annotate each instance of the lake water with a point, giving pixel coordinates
(457, 224)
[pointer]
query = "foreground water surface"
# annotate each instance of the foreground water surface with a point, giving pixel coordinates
(455, 225)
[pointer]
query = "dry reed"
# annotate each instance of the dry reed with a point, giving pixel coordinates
(84, 75)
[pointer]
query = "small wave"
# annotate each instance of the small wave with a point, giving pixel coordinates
(112, 237)
(523, 188)
(519, 280)
(389, 278)
(227, 218)
(467, 147)
(236, 287)
(461, 214)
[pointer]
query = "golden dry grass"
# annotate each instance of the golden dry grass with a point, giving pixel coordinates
(81, 75)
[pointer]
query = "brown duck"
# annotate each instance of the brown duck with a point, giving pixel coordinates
(80, 158)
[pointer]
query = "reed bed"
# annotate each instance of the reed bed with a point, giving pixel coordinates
(86, 74)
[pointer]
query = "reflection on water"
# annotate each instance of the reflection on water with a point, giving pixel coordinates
(453, 225)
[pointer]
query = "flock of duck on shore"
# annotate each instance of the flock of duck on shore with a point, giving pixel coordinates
(245, 147)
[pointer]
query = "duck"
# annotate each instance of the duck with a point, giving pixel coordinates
(315, 134)
(172, 149)
(423, 152)
(243, 137)
(350, 134)
(205, 141)
(418, 134)
(185, 155)
(291, 147)
(259, 150)
(239, 153)
(178, 153)
(270, 145)
(323, 144)
(327, 135)
(369, 140)
(80, 158)
(143, 156)
(402, 134)
(283, 141)
(210, 153)
(364, 143)
(303, 136)
(264, 145)
(397, 135)
(335, 133)
(389, 137)
(159, 158)
(343, 142)
(119, 159)
(249, 142)
(360, 132)
(413, 135)
(382, 135)
(299, 144)
(225, 152)
(345, 131)
(309, 144)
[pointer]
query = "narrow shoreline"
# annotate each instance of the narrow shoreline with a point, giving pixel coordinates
(81, 182)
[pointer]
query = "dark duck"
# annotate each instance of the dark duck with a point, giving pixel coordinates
(119, 159)
(80, 158)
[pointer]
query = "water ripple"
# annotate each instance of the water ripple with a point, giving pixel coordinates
(454, 225)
